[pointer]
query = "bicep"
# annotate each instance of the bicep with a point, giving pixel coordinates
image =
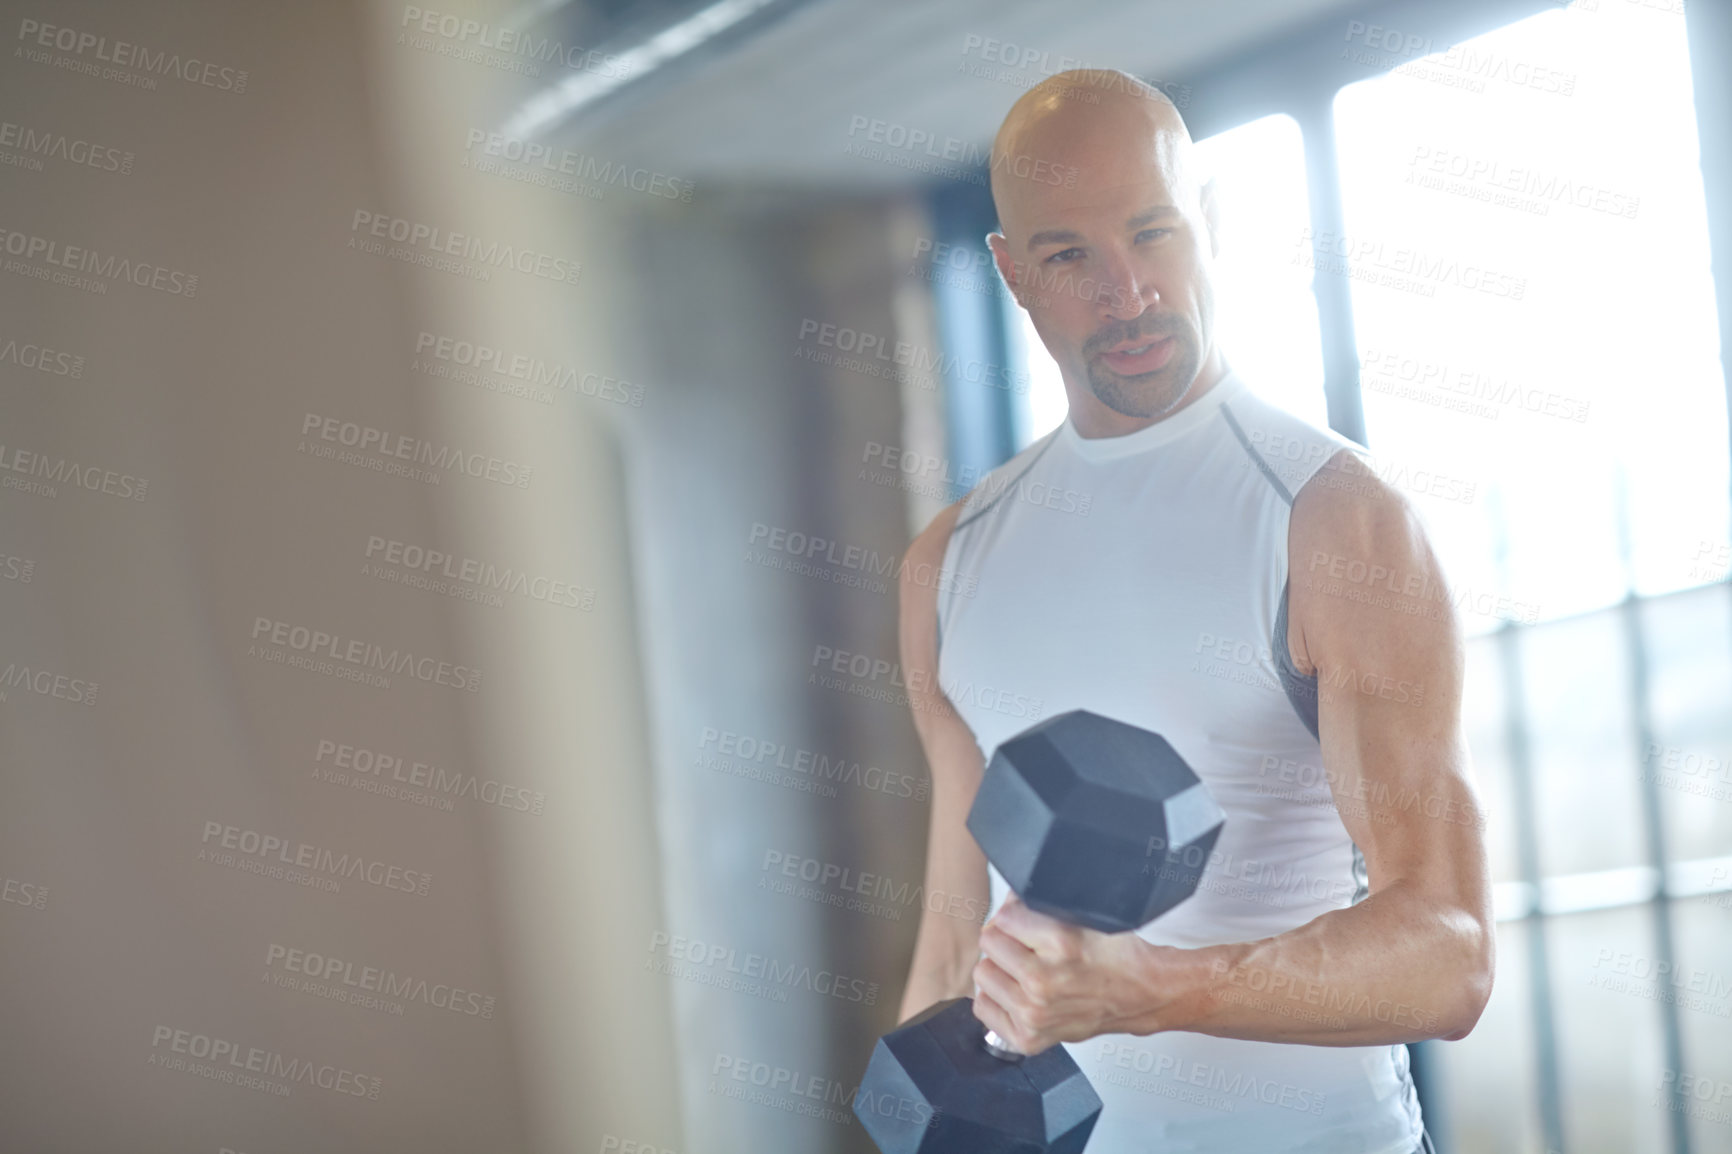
(1375, 624)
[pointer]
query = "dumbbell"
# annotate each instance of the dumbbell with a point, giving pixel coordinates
(1090, 820)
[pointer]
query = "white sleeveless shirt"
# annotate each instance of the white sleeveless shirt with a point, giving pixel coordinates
(1143, 577)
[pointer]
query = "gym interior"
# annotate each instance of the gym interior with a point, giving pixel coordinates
(551, 389)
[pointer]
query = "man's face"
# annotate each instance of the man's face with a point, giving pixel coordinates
(1115, 271)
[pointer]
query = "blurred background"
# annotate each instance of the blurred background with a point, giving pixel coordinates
(549, 391)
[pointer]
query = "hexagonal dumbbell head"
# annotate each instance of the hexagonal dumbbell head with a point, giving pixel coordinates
(932, 1088)
(1095, 821)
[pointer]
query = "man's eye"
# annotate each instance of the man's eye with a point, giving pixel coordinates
(1153, 233)
(1064, 256)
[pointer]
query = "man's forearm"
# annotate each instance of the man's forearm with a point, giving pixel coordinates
(1398, 967)
(944, 957)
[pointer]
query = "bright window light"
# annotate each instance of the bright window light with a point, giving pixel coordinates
(1267, 316)
(1528, 243)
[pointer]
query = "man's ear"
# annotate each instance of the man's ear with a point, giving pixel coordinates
(1212, 215)
(1006, 267)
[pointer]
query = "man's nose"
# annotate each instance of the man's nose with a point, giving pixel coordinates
(1122, 295)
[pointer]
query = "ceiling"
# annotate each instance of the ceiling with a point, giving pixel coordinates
(775, 105)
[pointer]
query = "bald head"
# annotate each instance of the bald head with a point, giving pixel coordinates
(1074, 123)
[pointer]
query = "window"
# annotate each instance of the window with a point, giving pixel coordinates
(1534, 310)
(1527, 242)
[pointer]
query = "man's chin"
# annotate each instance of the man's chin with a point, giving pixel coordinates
(1143, 397)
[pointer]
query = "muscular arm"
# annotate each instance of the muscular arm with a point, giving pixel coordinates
(1414, 959)
(946, 945)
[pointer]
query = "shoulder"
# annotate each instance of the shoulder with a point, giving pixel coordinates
(1361, 565)
(917, 620)
(926, 553)
(930, 543)
(997, 483)
(1346, 504)
(1285, 447)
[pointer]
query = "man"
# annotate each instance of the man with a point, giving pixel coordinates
(1243, 585)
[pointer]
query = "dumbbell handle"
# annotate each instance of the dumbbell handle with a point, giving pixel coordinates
(997, 1046)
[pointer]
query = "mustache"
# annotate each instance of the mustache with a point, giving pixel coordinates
(1155, 326)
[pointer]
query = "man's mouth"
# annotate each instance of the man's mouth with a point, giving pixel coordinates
(1131, 358)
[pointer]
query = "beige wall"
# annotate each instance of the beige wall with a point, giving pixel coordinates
(198, 718)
